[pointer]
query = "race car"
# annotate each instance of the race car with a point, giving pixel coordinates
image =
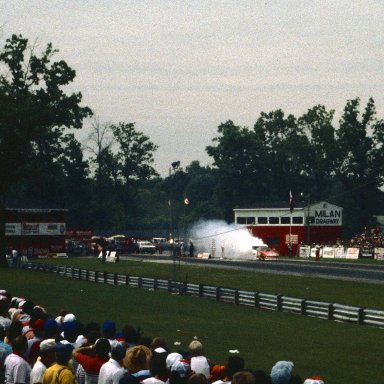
(263, 252)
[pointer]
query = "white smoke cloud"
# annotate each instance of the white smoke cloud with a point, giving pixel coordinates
(211, 236)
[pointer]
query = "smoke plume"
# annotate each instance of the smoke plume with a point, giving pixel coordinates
(223, 240)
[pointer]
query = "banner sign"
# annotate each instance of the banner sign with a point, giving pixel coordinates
(352, 253)
(340, 253)
(366, 253)
(328, 252)
(379, 253)
(34, 229)
(304, 252)
(12, 229)
(291, 238)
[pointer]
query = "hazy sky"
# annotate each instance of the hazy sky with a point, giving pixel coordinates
(180, 68)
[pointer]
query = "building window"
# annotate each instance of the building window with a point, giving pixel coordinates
(297, 220)
(251, 220)
(274, 220)
(241, 220)
(285, 220)
(262, 220)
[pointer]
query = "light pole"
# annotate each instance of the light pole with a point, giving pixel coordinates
(174, 166)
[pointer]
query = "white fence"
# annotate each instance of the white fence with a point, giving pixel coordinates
(324, 310)
(342, 253)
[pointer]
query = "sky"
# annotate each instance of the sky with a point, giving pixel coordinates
(180, 68)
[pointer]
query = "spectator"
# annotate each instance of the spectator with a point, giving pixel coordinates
(5, 321)
(92, 358)
(314, 380)
(281, 373)
(17, 370)
(159, 342)
(47, 358)
(136, 361)
(197, 378)
(109, 331)
(158, 369)
(5, 350)
(234, 364)
(199, 363)
(243, 377)
(113, 365)
(60, 373)
(180, 372)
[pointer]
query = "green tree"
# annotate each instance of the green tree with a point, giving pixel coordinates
(33, 109)
(360, 164)
(321, 153)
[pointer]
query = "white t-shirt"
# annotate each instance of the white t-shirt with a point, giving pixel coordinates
(107, 371)
(37, 372)
(17, 370)
(153, 380)
(199, 364)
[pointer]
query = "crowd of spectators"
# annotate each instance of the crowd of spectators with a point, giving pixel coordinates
(36, 347)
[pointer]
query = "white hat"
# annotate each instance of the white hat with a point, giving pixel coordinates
(69, 317)
(160, 350)
(172, 358)
(47, 345)
(314, 380)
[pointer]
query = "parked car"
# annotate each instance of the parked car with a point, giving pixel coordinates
(145, 246)
(263, 252)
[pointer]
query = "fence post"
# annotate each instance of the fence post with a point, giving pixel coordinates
(87, 275)
(330, 311)
(200, 290)
(360, 316)
(115, 278)
(127, 280)
(139, 282)
(303, 306)
(105, 277)
(155, 284)
(257, 300)
(279, 302)
(237, 297)
(217, 293)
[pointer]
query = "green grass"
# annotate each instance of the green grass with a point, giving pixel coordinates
(340, 353)
(330, 290)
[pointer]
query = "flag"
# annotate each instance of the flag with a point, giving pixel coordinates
(290, 201)
(186, 201)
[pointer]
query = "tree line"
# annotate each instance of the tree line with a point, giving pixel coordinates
(109, 183)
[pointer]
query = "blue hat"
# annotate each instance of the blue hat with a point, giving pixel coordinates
(281, 372)
(64, 351)
(109, 326)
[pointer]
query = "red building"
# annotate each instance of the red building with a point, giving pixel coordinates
(277, 226)
(35, 232)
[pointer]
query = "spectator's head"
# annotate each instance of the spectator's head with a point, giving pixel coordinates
(130, 335)
(262, 377)
(71, 330)
(27, 307)
(38, 327)
(243, 377)
(63, 353)
(51, 329)
(158, 366)
(109, 329)
(14, 330)
(137, 358)
(117, 352)
(180, 372)
(281, 372)
(314, 380)
(102, 348)
(195, 348)
(159, 342)
(234, 364)
(47, 351)
(198, 378)
(20, 344)
(172, 358)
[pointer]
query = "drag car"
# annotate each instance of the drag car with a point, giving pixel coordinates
(263, 252)
(145, 246)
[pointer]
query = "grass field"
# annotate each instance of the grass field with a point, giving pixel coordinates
(340, 353)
